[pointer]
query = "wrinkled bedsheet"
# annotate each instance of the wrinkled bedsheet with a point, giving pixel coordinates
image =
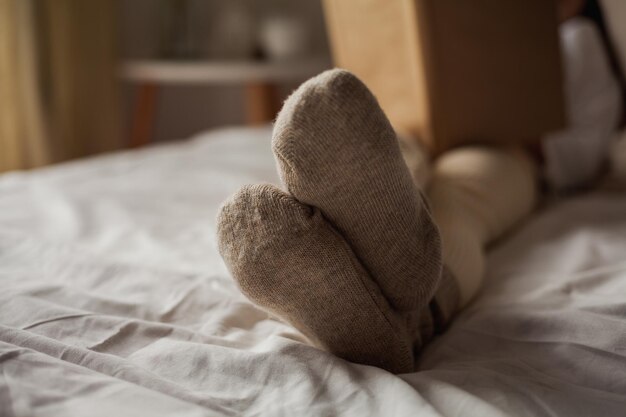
(114, 301)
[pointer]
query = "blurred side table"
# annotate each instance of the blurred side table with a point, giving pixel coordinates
(260, 80)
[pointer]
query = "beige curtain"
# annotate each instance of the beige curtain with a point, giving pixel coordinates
(23, 141)
(59, 96)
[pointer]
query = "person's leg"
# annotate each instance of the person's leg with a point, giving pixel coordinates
(351, 257)
(476, 194)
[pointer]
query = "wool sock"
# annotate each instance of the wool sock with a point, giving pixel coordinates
(337, 151)
(290, 261)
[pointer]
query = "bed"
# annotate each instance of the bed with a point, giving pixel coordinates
(114, 301)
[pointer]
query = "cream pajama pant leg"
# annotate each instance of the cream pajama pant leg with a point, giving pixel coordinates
(476, 194)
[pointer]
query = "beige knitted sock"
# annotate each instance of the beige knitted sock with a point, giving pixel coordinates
(337, 151)
(289, 260)
(352, 257)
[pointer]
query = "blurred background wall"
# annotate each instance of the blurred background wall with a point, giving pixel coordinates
(184, 110)
(65, 91)
(63, 96)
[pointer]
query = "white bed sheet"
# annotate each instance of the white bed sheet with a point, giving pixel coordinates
(114, 301)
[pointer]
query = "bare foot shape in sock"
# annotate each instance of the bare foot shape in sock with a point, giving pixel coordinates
(350, 256)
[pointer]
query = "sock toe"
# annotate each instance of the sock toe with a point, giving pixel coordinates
(330, 110)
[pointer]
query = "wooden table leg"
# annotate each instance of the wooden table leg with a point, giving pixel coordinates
(262, 103)
(144, 111)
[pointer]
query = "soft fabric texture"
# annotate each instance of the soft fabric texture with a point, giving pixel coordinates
(575, 155)
(476, 194)
(351, 257)
(339, 158)
(417, 160)
(289, 260)
(337, 151)
(115, 302)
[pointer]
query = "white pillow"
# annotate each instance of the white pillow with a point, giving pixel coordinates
(574, 156)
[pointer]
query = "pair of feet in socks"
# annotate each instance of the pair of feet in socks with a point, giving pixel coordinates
(349, 255)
